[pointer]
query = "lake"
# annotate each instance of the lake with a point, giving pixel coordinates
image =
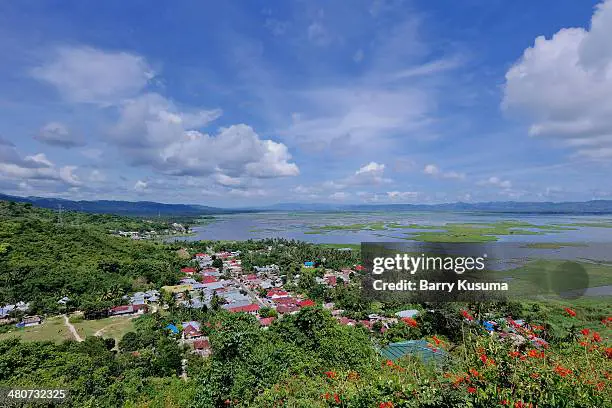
(304, 226)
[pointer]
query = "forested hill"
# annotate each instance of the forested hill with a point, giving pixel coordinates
(42, 260)
(138, 208)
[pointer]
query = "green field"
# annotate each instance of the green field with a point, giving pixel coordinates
(114, 327)
(52, 329)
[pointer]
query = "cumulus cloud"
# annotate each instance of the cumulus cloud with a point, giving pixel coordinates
(57, 134)
(85, 74)
(33, 167)
(563, 86)
(434, 171)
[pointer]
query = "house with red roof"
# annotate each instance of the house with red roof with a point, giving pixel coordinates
(306, 303)
(208, 279)
(277, 293)
(128, 310)
(287, 309)
(202, 347)
(266, 321)
(252, 309)
(188, 271)
(191, 332)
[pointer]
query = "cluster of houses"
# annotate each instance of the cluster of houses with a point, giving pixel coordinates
(7, 315)
(176, 228)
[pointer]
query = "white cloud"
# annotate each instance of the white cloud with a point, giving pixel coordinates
(497, 182)
(339, 195)
(563, 86)
(153, 131)
(85, 74)
(371, 168)
(67, 175)
(140, 186)
(33, 167)
(434, 171)
(403, 195)
(57, 134)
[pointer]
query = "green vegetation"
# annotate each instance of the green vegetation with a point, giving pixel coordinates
(482, 232)
(43, 260)
(305, 359)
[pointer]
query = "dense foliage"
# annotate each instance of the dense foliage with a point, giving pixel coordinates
(42, 260)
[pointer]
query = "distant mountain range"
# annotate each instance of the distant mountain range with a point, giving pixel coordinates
(137, 208)
(149, 208)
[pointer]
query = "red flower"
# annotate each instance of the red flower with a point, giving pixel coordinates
(609, 352)
(436, 340)
(330, 374)
(326, 396)
(585, 332)
(562, 371)
(474, 372)
(410, 321)
(596, 337)
(389, 363)
(387, 404)
(471, 390)
(570, 312)
(514, 354)
(533, 353)
(483, 358)
(336, 398)
(466, 315)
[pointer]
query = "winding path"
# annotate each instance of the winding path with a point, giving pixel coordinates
(75, 334)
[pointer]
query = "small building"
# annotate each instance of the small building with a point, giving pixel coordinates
(128, 310)
(191, 330)
(202, 347)
(188, 271)
(63, 300)
(30, 321)
(251, 308)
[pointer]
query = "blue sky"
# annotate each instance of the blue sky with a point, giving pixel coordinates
(256, 102)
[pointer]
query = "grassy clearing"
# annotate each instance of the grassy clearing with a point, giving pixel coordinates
(114, 327)
(52, 329)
